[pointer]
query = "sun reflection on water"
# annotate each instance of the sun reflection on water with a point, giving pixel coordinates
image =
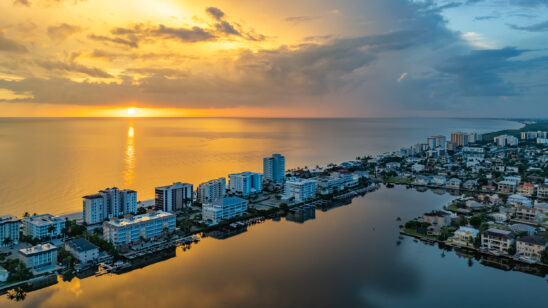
(129, 172)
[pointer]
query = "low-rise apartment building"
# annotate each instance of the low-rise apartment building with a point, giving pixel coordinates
(497, 240)
(43, 226)
(39, 257)
(9, 230)
(146, 226)
(83, 250)
(223, 209)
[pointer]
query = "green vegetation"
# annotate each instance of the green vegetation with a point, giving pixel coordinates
(65, 257)
(18, 271)
(101, 243)
(541, 125)
(141, 211)
(73, 229)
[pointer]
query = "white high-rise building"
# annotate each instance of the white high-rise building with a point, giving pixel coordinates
(506, 140)
(211, 191)
(173, 197)
(223, 209)
(300, 189)
(9, 229)
(109, 203)
(245, 183)
(274, 168)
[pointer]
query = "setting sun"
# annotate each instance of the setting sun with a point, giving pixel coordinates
(131, 111)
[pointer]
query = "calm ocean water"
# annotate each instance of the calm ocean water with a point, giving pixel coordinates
(348, 256)
(47, 165)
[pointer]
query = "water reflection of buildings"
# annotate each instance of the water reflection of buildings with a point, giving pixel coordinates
(228, 231)
(129, 159)
(301, 213)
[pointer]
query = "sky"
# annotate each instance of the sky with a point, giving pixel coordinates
(259, 58)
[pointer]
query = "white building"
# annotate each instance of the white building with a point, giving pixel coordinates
(4, 274)
(39, 257)
(300, 190)
(473, 153)
(223, 209)
(438, 180)
(464, 236)
(329, 185)
(42, 226)
(9, 230)
(274, 168)
(417, 168)
(506, 140)
(210, 191)
(245, 183)
(146, 226)
(83, 250)
(109, 203)
(173, 197)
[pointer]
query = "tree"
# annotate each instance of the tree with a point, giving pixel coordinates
(544, 256)
(51, 228)
(7, 241)
(141, 211)
(475, 221)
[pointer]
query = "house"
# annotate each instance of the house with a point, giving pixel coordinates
(516, 200)
(527, 214)
(422, 180)
(453, 183)
(473, 205)
(497, 240)
(83, 250)
(470, 184)
(542, 191)
(417, 168)
(522, 228)
(527, 189)
(531, 247)
(464, 236)
(437, 220)
(512, 169)
(506, 187)
(438, 180)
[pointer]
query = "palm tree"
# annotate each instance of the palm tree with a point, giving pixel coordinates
(51, 228)
(7, 241)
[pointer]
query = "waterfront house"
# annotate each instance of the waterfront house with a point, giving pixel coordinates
(437, 220)
(83, 250)
(464, 236)
(39, 258)
(523, 228)
(470, 184)
(43, 226)
(422, 180)
(531, 247)
(438, 180)
(453, 183)
(497, 240)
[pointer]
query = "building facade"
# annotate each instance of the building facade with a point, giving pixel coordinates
(531, 247)
(43, 226)
(39, 257)
(211, 191)
(464, 236)
(9, 230)
(274, 168)
(83, 250)
(223, 209)
(130, 230)
(506, 140)
(497, 240)
(245, 183)
(174, 197)
(108, 203)
(300, 190)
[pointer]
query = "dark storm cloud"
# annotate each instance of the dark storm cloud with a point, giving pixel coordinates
(7, 45)
(539, 27)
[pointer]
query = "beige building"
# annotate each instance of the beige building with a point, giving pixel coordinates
(437, 220)
(464, 236)
(527, 214)
(531, 247)
(497, 240)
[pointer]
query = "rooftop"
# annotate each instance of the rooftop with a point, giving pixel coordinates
(37, 249)
(138, 218)
(499, 233)
(81, 244)
(537, 240)
(44, 219)
(8, 218)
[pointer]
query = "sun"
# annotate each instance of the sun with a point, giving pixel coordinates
(131, 111)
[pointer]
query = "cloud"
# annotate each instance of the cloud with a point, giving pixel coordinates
(487, 17)
(22, 2)
(7, 45)
(188, 35)
(539, 27)
(300, 19)
(115, 40)
(62, 31)
(74, 67)
(215, 13)
(402, 76)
